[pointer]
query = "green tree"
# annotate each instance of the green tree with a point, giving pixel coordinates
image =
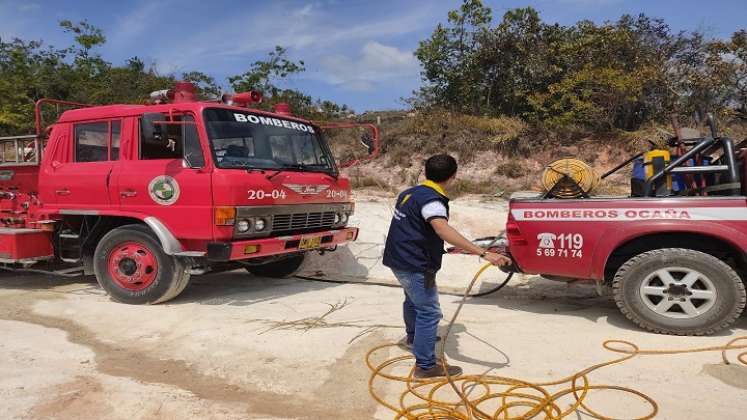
(615, 75)
(205, 84)
(450, 72)
(29, 71)
(266, 75)
(263, 75)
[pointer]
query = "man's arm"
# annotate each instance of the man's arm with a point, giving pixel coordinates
(450, 235)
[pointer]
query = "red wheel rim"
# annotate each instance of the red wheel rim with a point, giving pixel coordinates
(133, 266)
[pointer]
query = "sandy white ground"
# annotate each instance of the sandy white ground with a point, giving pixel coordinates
(235, 346)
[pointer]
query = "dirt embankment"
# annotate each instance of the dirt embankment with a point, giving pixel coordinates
(496, 155)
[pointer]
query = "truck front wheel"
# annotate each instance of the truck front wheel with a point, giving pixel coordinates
(279, 269)
(132, 267)
(679, 291)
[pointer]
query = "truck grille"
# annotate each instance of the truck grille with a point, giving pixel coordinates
(302, 221)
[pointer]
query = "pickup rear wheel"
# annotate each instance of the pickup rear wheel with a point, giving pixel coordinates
(679, 291)
(132, 267)
(279, 269)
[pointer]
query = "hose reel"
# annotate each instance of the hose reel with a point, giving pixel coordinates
(569, 178)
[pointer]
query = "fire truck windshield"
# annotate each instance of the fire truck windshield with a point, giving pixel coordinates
(243, 140)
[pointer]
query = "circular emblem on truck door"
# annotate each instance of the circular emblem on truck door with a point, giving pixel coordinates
(164, 190)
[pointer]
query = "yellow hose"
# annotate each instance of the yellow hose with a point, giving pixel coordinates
(501, 397)
(569, 178)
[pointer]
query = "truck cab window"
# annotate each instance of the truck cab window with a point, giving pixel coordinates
(172, 142)
(92, 142)
(282, 149)
(116, 137)
(235, 150)
(192, 149)
(247, 140)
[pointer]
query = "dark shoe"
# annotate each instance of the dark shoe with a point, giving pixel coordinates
(436, 371)
(406, 344)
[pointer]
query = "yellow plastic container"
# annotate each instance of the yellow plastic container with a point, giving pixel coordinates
(654, 161)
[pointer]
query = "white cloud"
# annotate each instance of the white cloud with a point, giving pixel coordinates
(140, 21)
(306, 11)
(29, 7)
(308, 30)
(375, 64)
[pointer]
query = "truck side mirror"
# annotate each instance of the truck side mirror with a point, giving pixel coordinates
(152, 130)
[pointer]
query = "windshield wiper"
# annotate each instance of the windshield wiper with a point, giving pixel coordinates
(308, 167)
(277, 171)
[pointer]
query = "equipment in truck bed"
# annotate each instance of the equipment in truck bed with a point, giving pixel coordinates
(691, 170)
(674, 252)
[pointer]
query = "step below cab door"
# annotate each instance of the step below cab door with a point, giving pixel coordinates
(153, 179)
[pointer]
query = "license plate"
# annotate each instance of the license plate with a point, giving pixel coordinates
(310, 242)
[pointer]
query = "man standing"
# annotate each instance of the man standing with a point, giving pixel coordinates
(414, 249)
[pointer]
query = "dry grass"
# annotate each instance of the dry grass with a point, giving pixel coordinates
(511, 169)
(445, 132)
(492, 130)
(367, 181)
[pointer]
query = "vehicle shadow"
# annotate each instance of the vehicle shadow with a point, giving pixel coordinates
(240, 288)
(351, 261)
(23, 280)
(579, 299)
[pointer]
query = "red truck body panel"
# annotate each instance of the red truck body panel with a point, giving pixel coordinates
(575, 238)
(20, 244)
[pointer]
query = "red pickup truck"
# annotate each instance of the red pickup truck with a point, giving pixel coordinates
(675, 260)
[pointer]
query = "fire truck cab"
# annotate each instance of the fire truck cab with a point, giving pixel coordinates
(143, 196)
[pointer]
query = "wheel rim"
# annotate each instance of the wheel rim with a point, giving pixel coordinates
(678, 292)
(133, 266)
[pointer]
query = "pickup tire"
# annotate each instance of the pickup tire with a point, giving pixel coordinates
(278, 269)
(131, 266)
(679, 291)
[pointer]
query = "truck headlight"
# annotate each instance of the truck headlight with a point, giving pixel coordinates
(344, 218)
(243, 225)
(260, 224)
(337, 218)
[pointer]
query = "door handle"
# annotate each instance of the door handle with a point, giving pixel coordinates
(128, 193)
(63, 191)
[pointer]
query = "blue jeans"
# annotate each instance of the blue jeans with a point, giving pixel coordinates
(422, 312)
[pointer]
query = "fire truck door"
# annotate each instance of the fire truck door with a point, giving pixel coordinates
(82, 179)
(154, 179)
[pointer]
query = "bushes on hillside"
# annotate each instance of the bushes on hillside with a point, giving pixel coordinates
(615, 75)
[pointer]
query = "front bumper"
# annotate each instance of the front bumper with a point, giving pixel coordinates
(254, 248)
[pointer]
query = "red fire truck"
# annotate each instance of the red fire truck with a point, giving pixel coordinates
(673, 251)
(143, 196)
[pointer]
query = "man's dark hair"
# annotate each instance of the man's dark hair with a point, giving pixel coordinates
(439, 168)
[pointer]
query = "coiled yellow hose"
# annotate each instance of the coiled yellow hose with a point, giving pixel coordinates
(500, 397)
(569, 178)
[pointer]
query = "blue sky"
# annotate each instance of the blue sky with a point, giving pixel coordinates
(356, 52)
